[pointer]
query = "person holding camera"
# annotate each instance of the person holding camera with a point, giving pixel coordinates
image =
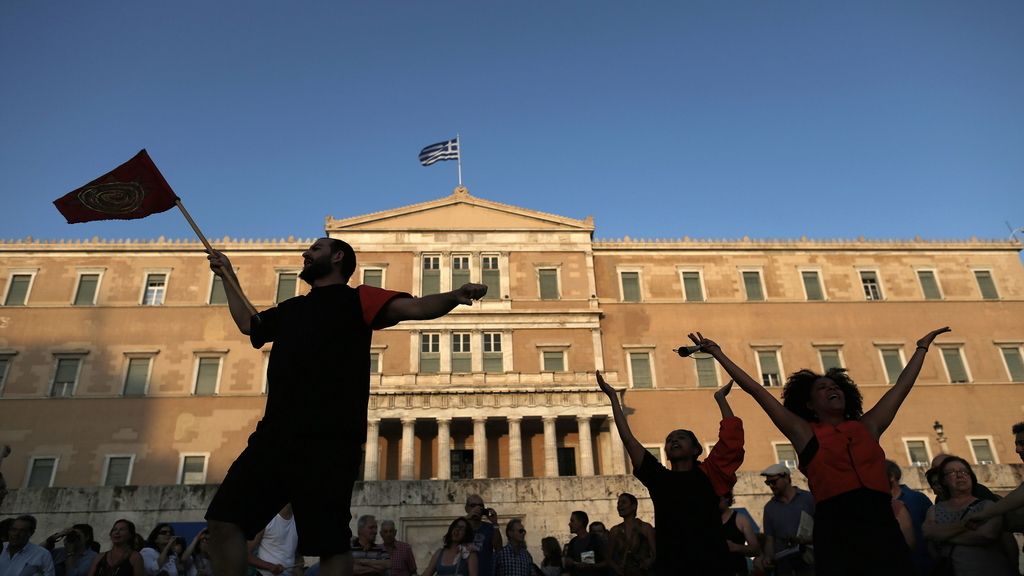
(76, 556)
(486, 537)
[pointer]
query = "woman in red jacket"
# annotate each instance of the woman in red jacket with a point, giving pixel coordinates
(855, 531)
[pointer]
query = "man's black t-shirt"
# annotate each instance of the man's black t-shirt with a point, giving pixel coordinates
(319, 373)
(590, 546)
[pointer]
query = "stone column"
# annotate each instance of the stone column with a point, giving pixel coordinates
(408, 448)
(586, 442)
(370, 464)
(515, 447)
(444, 451)
(479, 447)
(618, 451)
(550, 453)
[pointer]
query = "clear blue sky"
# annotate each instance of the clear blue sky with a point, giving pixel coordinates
(708, 119)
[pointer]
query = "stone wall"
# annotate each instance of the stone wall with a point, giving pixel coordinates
(421, 509)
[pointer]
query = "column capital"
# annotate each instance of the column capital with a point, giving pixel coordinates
(549, 418)
(408, 420)
(479, 419)
(514, 418)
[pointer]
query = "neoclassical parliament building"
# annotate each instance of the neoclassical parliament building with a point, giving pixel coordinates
(120, 364)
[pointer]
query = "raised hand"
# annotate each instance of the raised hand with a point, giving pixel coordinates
(219, 263)
(724, 390)
(605, 387)
(706, 344)
(469, 292)
(928, 338)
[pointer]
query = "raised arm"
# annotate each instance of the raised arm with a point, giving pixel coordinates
(432, 306)
(792, 426)
(633, 447)
(241, 309)
(1009, 503)
(723, 403)
(880, 417)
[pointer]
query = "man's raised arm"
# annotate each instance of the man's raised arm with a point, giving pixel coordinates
(241, 309)
(430, 307)
(635, 450)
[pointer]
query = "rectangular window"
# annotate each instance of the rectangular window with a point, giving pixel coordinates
(207, 375)
(430, 283)
(491, 276)
(812, 284)
(5, 364)
(41, 472)
(17, 290)
(752, 285)
(548, 283)
(193, 470)
(287, 286)
(693, 289)
(136, 380)
(869, 282)
(374, 362)
(707, 372)
(554, 361)
(630, 286)
(929, 285)
(785, 454)
(892, 361)
(218, 297)
(1011, 355)
(986, 284)
(830, 358)
(65, 377)
(493, 357)
(640, 369)
(656, 452)
(461, 464)
(119, 471)
(771, 375)
(460, 271)
(85, 293)
(462, 357)
(373, 277)
(430, 353)
(982, 450)
(156, 287)
(953, 357)
(917, 453)
(566, 461)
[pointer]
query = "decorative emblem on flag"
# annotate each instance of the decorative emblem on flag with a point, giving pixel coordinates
(113, 198)
(134, 189)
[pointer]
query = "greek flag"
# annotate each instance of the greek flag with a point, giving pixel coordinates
(447, 150)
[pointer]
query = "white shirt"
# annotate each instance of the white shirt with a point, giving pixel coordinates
(150, 557)
(279, 543)
(31, 560)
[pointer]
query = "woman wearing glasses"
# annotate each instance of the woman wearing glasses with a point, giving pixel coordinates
(971, 552)
(855, 530)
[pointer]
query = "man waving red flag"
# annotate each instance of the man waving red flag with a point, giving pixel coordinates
(134, 189)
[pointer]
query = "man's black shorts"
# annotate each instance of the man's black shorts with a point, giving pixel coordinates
(316, 479)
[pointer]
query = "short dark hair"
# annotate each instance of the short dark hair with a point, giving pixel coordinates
(131, 528)
(348, 261)
(86, 531)
(797, 393)
(151, 541)
(1018, 427)
(951, 460)
(632, 499)
(582, 517)
(31, 520)
(511, 523)
(894, 470)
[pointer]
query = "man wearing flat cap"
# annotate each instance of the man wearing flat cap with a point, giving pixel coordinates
(788, 553)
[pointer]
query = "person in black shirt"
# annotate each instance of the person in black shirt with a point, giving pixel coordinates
(687, 521)
(306, 448)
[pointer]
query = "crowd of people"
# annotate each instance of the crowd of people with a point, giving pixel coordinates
(855, 519)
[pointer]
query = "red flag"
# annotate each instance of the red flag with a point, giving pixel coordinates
(134, 189)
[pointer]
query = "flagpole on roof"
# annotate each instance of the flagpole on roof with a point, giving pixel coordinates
(458, 157)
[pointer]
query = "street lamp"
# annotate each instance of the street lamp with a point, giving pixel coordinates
(940, 434)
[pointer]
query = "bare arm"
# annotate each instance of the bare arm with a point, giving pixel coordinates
(906, 524)
(751, 548)
(792, 426)
(432, 565)
(472, 562)
(430, 307)
(1009, 503)
(880, 417)
(187, 554)
(138, 567)
(633, 447)
(241, 309)
(723, 403)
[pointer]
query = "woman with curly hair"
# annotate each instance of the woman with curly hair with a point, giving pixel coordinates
(855, 531)
(456, 557)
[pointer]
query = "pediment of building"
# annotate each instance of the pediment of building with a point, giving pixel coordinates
(459, 211)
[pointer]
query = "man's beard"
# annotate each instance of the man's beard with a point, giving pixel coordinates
(316, 269)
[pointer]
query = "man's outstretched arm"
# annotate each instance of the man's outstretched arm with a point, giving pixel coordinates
(429, 307)
(241, 309)
(635, 450)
